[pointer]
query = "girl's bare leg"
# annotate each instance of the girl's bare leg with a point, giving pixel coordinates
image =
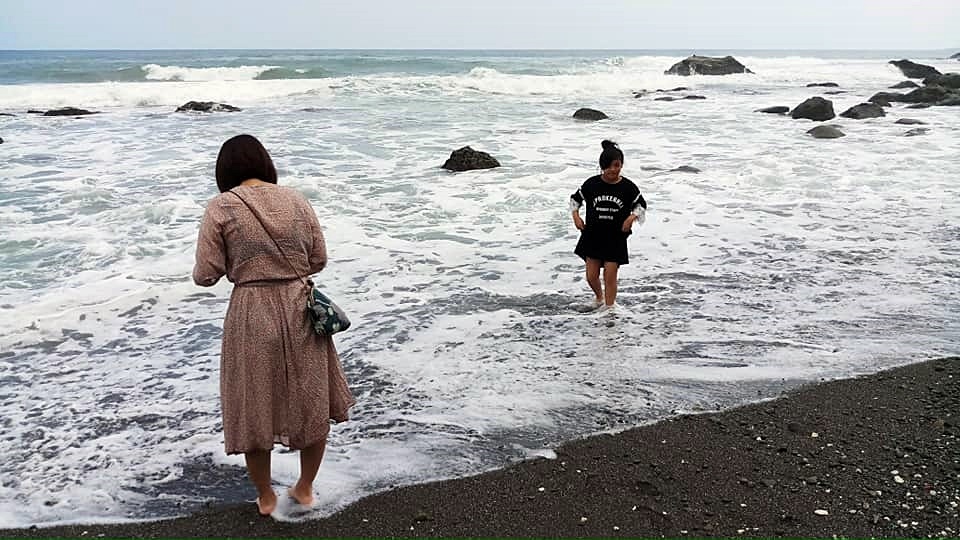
(258, 466)
(310, 458)
(610, 270)
(593, 277)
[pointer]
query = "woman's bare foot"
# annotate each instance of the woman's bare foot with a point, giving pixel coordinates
(303, 497)
(266, 505)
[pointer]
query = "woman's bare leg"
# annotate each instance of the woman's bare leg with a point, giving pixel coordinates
(610, 270)
(593, 277)
(258, 466)
(310, 459)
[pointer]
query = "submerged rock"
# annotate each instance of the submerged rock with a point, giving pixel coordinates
(68, 111)
(694, 96)
(913, 70)
(206, 106)
(826, 132)
(824, 84)
(815, 108)
(468, 159)
(686, 169)
(589, 114)
(916, 131)
(707, 65)
(909, 122)
(779, 109)
(864, 110)
(905, 84)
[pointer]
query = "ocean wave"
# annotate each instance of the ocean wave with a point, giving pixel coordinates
(287, 73)
(154, 72)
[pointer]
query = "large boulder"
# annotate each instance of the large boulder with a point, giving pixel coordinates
(864, 110)
(904, 84)
(826, 132)
(206, 106)
(707, 65)
(815, 108)
(947, 80)
(913, 70)
(927, 94)
(68, 111)
(468, 159)
(589, 114)
(779, 109)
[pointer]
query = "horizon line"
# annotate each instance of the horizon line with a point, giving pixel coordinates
(121, 49)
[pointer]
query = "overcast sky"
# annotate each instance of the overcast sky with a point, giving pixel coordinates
(480, 24)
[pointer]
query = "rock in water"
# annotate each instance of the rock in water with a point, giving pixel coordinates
(824, 84)
(913, 70)
(904, 84)
(916, 131)
(468, 159)
(68, 111)
(707, 65)
(206, 106)
(864, 110)
(779, 109)
(909, 122)
(826, 132)
(947, 80)
(815, 108)
(589, 114)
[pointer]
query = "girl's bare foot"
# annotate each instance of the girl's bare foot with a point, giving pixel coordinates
(267, 504)
(303, 497)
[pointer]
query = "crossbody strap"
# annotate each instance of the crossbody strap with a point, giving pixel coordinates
(260, 221)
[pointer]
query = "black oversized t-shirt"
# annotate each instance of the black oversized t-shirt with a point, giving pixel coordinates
(608, 205)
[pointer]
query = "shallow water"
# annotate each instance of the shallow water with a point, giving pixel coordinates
(786, 260)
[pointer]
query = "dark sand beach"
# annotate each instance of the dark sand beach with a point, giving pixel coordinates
(874, 456)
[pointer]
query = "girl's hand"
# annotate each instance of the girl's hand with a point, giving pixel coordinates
(628, 223)
(578, 222)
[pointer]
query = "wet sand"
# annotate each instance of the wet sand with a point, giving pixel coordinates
(877, 455)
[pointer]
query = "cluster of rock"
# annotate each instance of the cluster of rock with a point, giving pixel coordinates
(938, 89)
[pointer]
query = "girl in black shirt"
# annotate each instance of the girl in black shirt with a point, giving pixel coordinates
(614, 204)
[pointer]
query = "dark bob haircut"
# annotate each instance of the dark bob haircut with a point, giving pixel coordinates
(610, 152)
(242, 158)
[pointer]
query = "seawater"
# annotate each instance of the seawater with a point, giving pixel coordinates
(785, 261)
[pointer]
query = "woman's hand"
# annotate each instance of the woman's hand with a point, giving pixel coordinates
(578, 222)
